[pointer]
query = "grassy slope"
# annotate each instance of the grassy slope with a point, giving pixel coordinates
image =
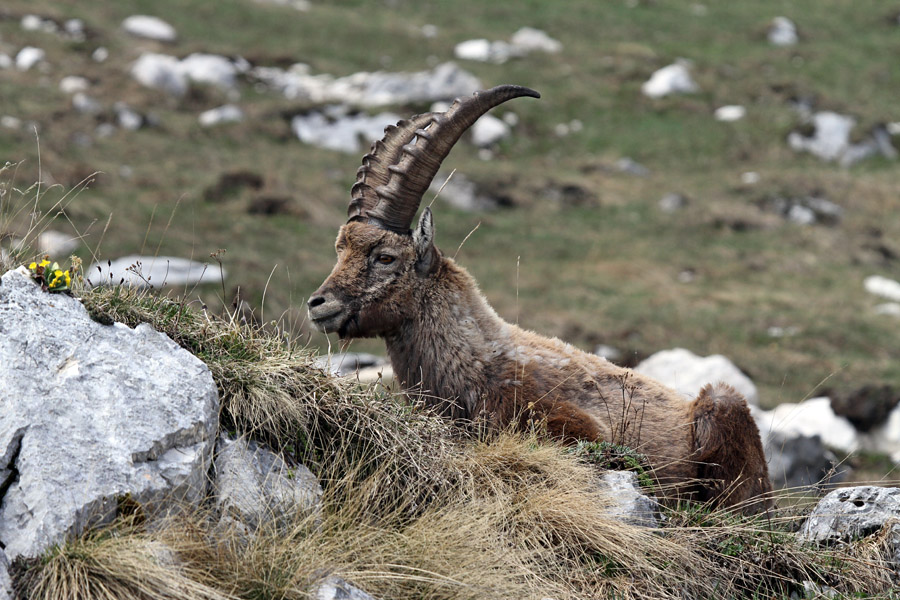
(605, 271)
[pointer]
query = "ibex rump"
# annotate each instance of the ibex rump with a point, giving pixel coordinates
(446, 341)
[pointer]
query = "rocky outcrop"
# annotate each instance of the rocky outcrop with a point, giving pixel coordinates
(628, 503)
(90, 416)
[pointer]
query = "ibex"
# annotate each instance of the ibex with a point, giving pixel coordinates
(447, 343)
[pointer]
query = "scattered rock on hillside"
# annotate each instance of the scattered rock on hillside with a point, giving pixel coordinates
(229, 113)
(160, 71)
(488, 130)
(254, 486)
(813, 417)
(463, 193)
(629, 504)
(86, 105)
(673, 79)
(687, 373)
(73, 83)
(150, 28)
(830, 140)
(807, 209)
(483, 50)
(782, 32)
(6, 589)
(28, 57)
(730, 113)
(632, 167)
(369, 90)
(530, 39)
(673, 202)
(882, 286)
(209, 69)
(336, 129)
(848, 514)
(91, 415)
(6, 62)
(156, 271)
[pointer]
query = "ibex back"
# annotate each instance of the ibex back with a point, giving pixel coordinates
(448, 344)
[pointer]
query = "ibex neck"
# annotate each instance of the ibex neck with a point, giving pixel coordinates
(448, 350)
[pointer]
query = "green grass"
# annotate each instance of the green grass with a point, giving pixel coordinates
(603, 272)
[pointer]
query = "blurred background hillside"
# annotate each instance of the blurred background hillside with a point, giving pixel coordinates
(741, 212)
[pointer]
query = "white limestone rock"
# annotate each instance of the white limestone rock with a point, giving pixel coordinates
(73, 83)
(730, 113)
(782, 32)
(488, 130)
(229, 113)
(529, 39)
(882, 286)
(56, 243)
(156, 271)
(150, 28)
(672, 79)
(28, 57)
(162, 72)
(629, 504)
(209, 69)
(813, 417)
(91, 413)
(687, 373)
(342, 132)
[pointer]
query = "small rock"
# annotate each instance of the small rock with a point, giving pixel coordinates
(830, 138)
(228, 113)
(209, 69)
(782, 32)
(160, 71)
(673, 79)
(75, 28)
(882, 286)
(100, 54)
(56, 243)
(73, 83)
(128, 118)
(6, 589)
(156, 271)
(750, 178)
(149, 27)
(610, 353)
(488, 130)
(5, 61)
(629, 504)
(429, 31)
(28, 57)
(347, 363)
(482, 50)
(730, 113)
(31, 23)
(255, 486)
(687, 373)
(813, 417)
(529, 39)
(888, 308)
(672, 202)
(462, 193)
(632, 167)
(335, 588)
(10, 122)
(85, 104)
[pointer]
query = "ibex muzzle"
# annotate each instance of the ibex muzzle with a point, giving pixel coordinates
(448, 344)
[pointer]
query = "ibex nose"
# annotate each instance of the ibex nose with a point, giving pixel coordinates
(315, 301)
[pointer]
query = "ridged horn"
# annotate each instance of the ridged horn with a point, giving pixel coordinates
(399, 168)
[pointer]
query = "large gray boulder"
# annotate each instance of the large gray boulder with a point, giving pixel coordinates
(851, 513)
(91, 415)
(255, 486)
(801, 461)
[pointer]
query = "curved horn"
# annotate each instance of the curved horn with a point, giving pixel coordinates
(399, 168)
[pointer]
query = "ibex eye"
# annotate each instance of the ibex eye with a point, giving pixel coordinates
(385, 259)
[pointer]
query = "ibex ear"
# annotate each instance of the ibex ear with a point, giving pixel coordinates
(423, 238)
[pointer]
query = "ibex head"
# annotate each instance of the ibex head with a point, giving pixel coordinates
(381, 261)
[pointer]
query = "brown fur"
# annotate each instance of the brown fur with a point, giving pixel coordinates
(448, 344)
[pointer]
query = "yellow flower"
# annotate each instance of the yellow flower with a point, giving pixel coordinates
(44, 263)
(33, 266)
